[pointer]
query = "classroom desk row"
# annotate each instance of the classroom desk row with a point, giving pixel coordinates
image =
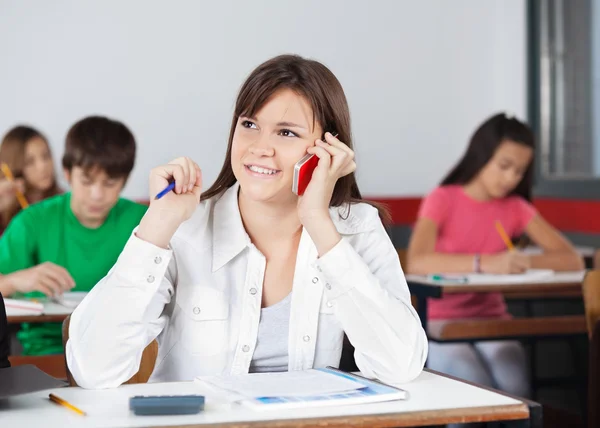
(434, 399)
(558, 285)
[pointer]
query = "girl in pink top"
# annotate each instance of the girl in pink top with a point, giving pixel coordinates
(456, 232)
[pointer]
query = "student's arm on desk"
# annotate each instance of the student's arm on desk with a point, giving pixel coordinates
(421, 255)
(120, 316)
(422, 258)
(558, 253)
(18, 265)
(371, 301)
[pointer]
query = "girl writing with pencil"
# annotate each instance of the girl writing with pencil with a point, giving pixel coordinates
(252, 277)
(27, 172)
(464, 226)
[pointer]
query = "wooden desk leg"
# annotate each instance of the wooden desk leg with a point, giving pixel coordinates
(536, 419)
(531, 357)
(422, 310)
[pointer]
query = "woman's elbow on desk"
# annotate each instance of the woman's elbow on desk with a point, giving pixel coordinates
(92, 371)
(401, 360)
(400, 370)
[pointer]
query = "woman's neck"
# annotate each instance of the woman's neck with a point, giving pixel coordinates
(476, 190)
(34, 196)
(270, 224)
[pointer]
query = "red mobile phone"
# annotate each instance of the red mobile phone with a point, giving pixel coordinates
(303, 171)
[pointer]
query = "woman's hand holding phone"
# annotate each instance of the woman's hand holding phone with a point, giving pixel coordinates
(336, 160)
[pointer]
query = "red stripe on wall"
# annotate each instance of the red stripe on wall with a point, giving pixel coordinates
(567, 215)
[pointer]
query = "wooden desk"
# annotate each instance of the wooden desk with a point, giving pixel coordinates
(434, 400)
(559, 284)
(36, 318)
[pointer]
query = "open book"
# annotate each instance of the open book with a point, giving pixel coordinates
(315, 387)
(18, 307)
(63, 304)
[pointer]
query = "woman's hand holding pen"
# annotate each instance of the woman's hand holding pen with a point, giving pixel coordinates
(505, 263)
(168, 211)
(8, 191)
(336, 160)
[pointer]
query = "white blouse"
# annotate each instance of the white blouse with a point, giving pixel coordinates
(201, 300)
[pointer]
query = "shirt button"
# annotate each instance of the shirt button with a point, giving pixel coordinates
(245, 348)
(157, 260)
(253, 291)
(327, 286)
(196, 310)
(315, 280)
(329, 304)
(306, 338)
(150, 279)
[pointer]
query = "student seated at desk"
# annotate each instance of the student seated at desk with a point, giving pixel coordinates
(70, 241)
(456, 232)
(250, 277)
(4, 338)
(27, 154)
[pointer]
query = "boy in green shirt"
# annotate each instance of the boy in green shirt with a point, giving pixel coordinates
(70, 241)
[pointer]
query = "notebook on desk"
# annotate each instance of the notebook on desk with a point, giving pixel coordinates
(307, 388)
(63, 304)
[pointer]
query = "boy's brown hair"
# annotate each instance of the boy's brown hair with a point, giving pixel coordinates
(100, 142)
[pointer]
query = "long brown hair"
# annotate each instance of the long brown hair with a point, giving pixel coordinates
(484, 143)
(12, 153)
(322, 90)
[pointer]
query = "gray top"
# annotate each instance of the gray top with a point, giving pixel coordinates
(271, 352)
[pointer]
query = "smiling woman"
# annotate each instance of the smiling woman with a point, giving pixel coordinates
(250, 277)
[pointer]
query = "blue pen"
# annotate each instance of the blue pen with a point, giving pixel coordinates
(166, 190)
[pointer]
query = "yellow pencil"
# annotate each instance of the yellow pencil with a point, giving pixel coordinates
(62, 402)
(8, 174)
(504, 236)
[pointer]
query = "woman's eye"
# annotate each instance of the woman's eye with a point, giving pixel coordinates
(248, 124)
(287, 133)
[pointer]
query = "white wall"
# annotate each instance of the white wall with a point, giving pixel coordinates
(419, 75)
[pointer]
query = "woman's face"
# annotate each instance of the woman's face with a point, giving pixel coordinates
(505, 170)
(38, 169)
(266, 147)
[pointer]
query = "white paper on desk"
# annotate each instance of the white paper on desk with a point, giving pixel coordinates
(70, 299)
(531, 275)
(20, 307)
(282, 384)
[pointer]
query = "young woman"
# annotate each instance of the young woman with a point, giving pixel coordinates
(27, 153)
(456, 232)
(251, 277)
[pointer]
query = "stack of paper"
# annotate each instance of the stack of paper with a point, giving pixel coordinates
(317, 387)
(16, 307)
(70, 299)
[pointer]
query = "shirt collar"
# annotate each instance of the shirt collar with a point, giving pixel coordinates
(229, 236)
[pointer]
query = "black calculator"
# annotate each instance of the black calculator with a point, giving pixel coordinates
(166, 404)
